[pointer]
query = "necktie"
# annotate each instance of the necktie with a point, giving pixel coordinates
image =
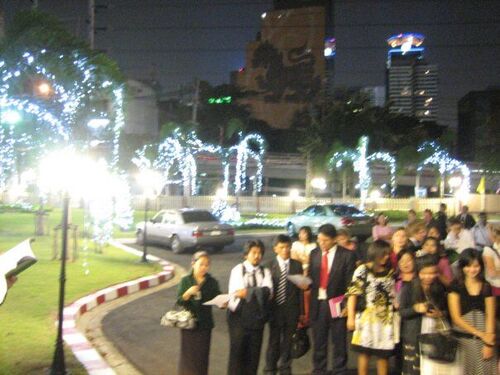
(281, 295)
(254, 279)
(323, 276)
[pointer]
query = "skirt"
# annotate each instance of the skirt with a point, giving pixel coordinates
(195, 351)
(470, 349)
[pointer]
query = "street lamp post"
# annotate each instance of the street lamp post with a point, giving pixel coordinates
(58, 363)
(151, 183)
(144, 258)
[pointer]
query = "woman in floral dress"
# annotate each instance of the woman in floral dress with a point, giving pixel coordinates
(371, 312)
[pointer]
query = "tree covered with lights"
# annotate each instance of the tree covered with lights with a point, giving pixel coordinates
(54, 84)
(56, 95)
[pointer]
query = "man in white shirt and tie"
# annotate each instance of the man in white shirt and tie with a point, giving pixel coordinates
(250, 287)
(285, 307)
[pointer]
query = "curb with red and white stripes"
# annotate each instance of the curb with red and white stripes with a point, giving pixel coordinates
(88, 356)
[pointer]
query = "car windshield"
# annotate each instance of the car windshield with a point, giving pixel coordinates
(346, 211)
(196, 216)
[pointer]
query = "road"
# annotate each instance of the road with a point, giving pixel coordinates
(135, 330)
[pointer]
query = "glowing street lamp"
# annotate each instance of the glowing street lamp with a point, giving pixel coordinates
(294, 195)
(11, 117)
(318, 183)
(43, 88)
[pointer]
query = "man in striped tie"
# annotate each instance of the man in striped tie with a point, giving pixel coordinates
(285, 307)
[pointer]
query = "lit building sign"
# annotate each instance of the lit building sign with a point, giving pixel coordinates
(406, 42)
(220, 100)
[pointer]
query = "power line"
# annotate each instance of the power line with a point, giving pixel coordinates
(230, 50)
(481, 23)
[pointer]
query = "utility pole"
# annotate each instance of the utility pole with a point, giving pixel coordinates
(91, 23)
(196, 100)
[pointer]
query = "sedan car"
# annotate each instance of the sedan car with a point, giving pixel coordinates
(359, 223)
(185, 228)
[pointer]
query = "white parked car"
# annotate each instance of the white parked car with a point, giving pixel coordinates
(186, 228)
(359, 223)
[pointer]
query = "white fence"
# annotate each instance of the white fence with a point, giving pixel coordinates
(286, 205)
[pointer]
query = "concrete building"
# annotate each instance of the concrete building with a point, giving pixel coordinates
(478, 124)
(141, 109)
(376, 94)
(286, 67)
(412, 83)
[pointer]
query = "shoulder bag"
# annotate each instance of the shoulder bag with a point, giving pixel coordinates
(179, 317)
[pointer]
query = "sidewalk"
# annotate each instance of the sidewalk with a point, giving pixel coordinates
(81, 346)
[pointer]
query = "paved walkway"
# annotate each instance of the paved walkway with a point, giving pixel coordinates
(135, 331)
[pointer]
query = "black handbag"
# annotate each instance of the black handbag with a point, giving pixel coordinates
(300, 343)
(440, 346)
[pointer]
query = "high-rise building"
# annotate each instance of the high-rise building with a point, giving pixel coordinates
(478, 133)
(412, 83)
(288, 67)
(376, 95)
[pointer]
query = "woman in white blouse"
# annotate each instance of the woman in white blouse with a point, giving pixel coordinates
(303, 247)
(491, 259)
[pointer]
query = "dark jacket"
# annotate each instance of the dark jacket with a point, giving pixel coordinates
(340, 275)
(293, 293)
(442, 224)
(209, 290)
(411, 321)
(468, 221)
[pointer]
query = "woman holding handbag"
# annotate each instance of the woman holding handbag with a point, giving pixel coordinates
(195, 289)
(423, 311)
(472, 310)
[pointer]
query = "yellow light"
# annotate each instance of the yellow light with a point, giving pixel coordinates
(44, 88)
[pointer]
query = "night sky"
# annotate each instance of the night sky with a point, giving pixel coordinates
(174, 41)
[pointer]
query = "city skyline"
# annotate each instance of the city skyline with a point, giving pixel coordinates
(207, 39)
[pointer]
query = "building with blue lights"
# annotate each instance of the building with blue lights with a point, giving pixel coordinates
(412, 83)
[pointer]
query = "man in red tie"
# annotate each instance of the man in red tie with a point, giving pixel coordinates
(330, 268)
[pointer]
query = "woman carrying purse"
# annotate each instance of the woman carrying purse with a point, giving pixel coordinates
(423, 311)
(195, 289)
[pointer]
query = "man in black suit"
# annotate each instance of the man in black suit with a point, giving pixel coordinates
(330, 268)
(466, 218)
(285, 307)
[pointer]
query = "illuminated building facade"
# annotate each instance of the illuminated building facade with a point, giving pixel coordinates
(289, 66)
(412, 83)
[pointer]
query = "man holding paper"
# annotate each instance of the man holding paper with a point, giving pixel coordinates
(331, 268)
(285, 307)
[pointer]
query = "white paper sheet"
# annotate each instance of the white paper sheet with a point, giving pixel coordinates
(220, 301)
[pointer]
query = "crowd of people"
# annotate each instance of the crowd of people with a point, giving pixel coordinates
(432, 275)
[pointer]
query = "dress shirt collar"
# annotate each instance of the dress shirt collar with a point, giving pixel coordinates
(331, 250)
(249, 267)
(282, 262)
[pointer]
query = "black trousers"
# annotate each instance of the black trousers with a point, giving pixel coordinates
(245, 346)
(195, 350)
(323, 327)
(281, 329)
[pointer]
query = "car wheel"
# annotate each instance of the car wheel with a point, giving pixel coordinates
(139, 237)
(176, 245)
(290, 228)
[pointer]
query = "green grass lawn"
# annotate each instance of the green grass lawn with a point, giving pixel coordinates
(27, 317)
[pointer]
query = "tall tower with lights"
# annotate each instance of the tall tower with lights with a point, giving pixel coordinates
(412, 83)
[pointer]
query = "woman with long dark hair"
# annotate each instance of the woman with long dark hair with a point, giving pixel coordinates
(472, 310)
